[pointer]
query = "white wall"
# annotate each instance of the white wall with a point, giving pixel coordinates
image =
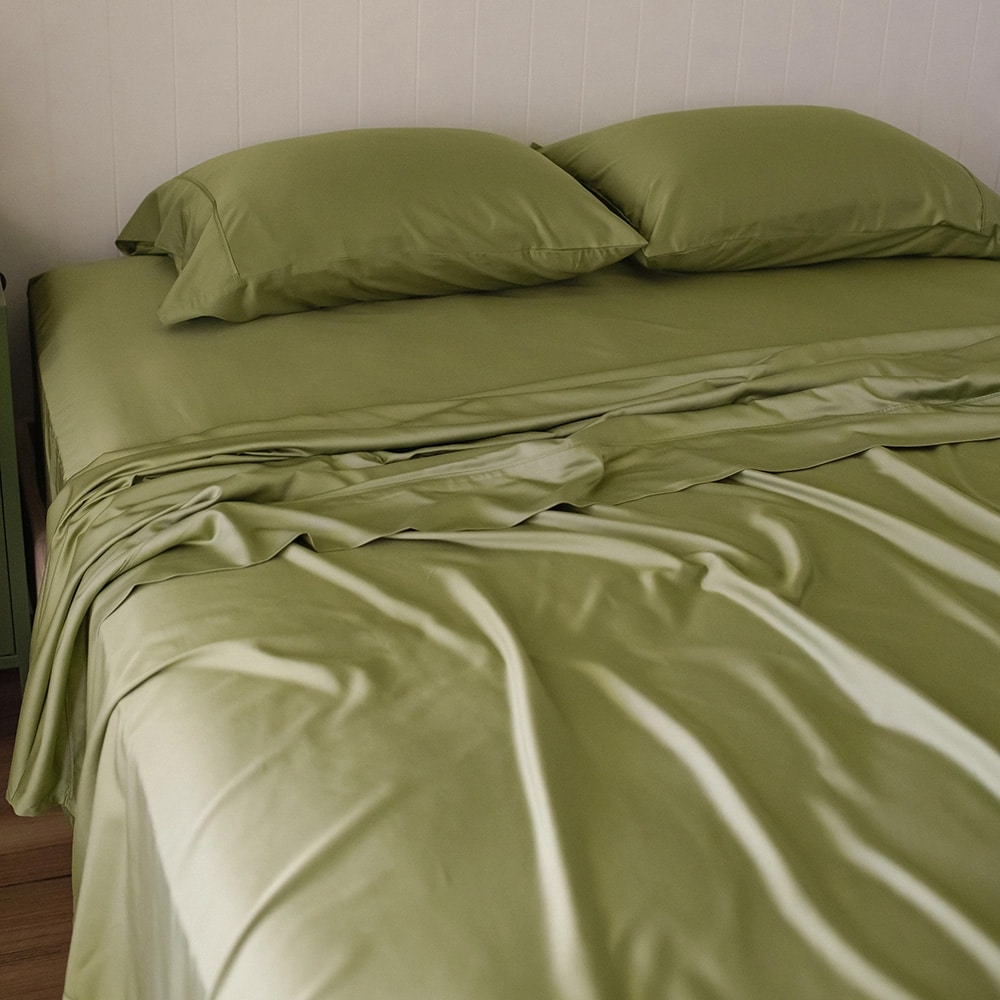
(103, 99)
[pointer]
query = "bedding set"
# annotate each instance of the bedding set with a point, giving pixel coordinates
(480, 571)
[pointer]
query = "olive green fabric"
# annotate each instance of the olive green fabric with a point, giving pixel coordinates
(611, 753)
(434, 702)
(209, 374)
(681, 678)
(767, 186)
(367, 214)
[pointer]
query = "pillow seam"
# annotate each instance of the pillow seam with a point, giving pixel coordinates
(804, 233)
(626, 248)
(216, 219)
(977, 184)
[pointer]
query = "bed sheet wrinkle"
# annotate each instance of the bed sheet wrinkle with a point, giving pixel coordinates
(964, 933)
(221, 893)
(940, 547)
(274, 897)
(919, 542)
(885, 698)
(566, 926)
(768, 859)
(956, 507)
(271, 751)
(405, 613)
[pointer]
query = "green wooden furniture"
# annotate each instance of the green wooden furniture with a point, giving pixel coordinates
(15, 624)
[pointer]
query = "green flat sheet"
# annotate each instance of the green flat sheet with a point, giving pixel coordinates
(679, 681)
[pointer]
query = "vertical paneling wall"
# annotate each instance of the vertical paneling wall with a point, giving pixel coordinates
(102, 99)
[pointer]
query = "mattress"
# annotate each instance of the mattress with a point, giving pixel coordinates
(628, 637)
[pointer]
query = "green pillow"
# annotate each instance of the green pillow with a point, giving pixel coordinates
(341, 217)
(743, 187)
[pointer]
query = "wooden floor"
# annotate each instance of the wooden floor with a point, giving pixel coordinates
(35, 892)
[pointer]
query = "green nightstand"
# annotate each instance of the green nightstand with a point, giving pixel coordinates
(15, 615)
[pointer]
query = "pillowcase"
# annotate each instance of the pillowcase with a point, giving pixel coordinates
(340, 217)
(744, 187)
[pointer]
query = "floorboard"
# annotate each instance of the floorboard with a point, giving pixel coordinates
(36, 898)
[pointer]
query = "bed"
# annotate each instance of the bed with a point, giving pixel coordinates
(617, 618)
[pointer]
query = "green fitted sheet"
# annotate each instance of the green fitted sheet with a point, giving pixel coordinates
(113, 378)
(638, 678)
